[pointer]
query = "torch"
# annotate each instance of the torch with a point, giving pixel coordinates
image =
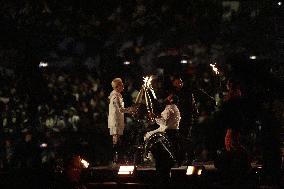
(217, 73)
(144, 94)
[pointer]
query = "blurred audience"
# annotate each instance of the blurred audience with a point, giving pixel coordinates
(153, 37)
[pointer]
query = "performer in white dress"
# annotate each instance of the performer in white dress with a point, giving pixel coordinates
(116, 112)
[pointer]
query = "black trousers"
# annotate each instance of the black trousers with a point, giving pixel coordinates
(175, 139)
(163, 161)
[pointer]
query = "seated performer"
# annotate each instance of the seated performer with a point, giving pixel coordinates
(169, 119)
(116, 115)
(169, 123)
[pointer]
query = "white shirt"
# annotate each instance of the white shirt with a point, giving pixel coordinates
(169, 119)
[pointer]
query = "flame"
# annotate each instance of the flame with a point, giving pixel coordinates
(153, 93)
(85, 163)
(147, 81)
(148, 85)
(144, 95)
(215, 69)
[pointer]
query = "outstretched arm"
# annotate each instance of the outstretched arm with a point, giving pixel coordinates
(119, 104)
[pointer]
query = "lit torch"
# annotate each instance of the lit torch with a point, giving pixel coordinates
(215, 69)
(144, 94)
(85, 163)
(148, 85)
(147, 81)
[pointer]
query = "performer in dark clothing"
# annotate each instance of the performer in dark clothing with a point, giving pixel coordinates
(248, 107)
(184, 93)
(233, 162)
(231, 115)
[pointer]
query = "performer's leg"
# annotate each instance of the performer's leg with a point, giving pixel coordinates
(115, 139)
(179, 152)
(185, 134)
(175, 139)
(163, 165)
(121, 149)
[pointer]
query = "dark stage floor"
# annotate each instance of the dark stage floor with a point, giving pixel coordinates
(143, 177)
(205, 175)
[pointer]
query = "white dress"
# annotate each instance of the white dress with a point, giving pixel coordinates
(116, 113)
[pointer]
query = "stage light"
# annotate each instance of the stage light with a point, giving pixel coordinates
(126, 170)
(279, 3)
(43, 145)
(85, 163)
(199, 172)
(258, 169)
(126, 62)
(43, 64)
(183, 61)
(190, 170)
(252, 57)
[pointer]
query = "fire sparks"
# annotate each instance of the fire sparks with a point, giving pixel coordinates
(215, 69)
(147, 81)
(146, 94)
(148, 85)
(85, 163)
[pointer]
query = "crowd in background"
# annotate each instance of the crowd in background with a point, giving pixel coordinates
(71, 116)
(47, 113)
(71, 103)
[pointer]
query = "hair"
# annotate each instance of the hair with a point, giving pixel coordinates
(115, 82)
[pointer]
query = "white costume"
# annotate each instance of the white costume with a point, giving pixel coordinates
(116, 113)
(169, 119)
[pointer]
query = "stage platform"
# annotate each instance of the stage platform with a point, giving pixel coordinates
(145, 177)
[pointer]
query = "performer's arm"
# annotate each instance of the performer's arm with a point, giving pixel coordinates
(118, 103)
(128, 110)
